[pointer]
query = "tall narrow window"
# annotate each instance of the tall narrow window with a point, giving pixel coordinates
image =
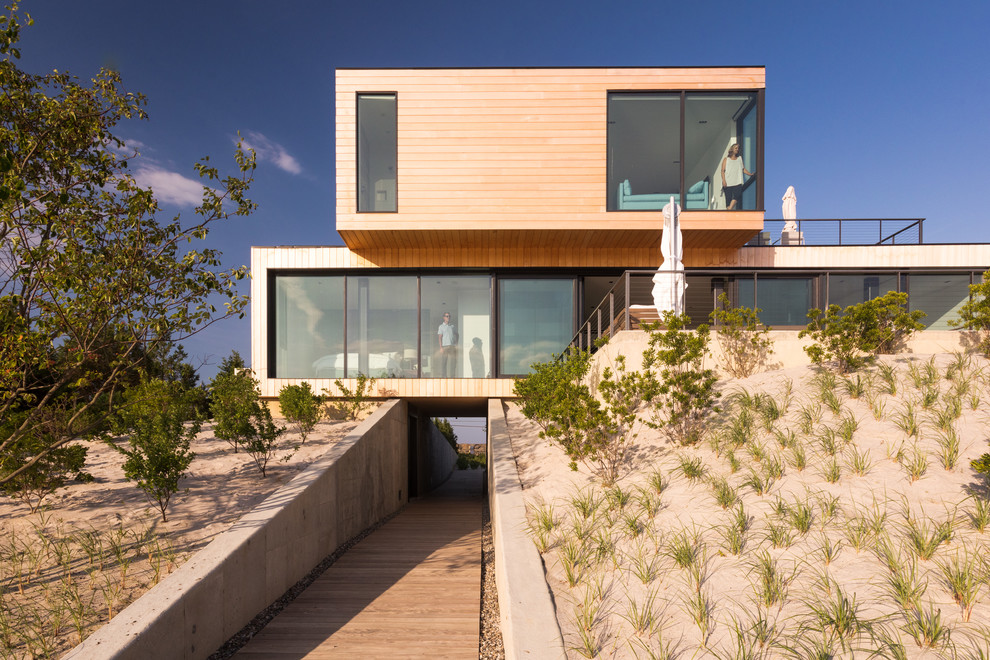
(377, 153)
(712, 124)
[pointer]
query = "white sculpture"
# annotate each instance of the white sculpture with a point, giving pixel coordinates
(668, 282)
(789, 209)
(790, 234)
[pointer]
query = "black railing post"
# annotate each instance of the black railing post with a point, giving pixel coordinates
(599, 322)
(625, 312)
(611, 311)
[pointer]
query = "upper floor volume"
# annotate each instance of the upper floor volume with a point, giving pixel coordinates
(539, 157)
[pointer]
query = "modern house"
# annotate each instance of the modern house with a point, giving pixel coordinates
(526, 204)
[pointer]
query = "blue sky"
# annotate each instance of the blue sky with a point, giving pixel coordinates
(874, 109)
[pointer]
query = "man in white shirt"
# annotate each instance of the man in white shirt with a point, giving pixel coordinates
(448, 348)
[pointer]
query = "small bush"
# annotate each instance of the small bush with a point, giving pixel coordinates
(233, 397)
(681, 392)
(852, 337)
(353, 402)
(746, 345)
(160, 422)
(591, 423)
(301, 407)
(974, 315)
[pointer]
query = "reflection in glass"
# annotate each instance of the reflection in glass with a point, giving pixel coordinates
(644, 147)
(851, 289)
(784, 301)
(309, 326)
(536, 321)
(381, 324)
(939, 296)
(377, 152)
(467, 300)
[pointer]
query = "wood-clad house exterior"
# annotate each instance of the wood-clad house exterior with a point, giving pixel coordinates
(493, 180)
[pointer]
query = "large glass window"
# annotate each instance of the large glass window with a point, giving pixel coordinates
(846, 289)
(462, 349)
(644, 151)
(783, 301)
(649, 162)
(377, 152)
(309, 326)
(939, 296)
(381, 325)
(712, 124)
(536, 321)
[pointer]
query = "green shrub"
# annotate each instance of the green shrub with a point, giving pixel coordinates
(159, 419)
(746, 345)
(301, 407)
(39, 473)
(590, 422)
(262, 442)
(233, 399)
(974, 315)
(681, 391)
(852, 337)
(352, 403)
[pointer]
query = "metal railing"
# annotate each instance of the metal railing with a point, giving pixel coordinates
(634, 287)
(899, 231)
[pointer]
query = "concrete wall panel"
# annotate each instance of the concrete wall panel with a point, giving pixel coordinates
(213, 595)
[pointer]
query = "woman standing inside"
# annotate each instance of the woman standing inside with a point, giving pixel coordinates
(732, 178)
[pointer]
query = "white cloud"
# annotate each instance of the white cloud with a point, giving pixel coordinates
(169, 187)
(271, 152)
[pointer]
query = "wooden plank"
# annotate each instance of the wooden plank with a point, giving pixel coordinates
(411, 589)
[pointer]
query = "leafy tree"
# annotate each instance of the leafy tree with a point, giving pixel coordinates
(233, 399)
(301, 407)
(975, 313)
(160, 423)
(746, 344)
(447, 430)
(242, 419)
(231, 364)
(353, 402)
(852, 337)
(91, 281)
(681, 391)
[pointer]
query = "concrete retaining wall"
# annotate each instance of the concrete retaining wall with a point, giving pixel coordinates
(192, 612)
(440, 455)
(527, 616)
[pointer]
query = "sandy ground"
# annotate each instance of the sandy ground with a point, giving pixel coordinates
(825, 592)
(219, 487)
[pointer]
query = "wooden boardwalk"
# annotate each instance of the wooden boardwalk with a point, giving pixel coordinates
(411, 589)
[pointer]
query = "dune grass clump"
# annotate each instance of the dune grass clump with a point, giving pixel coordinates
(59, 583)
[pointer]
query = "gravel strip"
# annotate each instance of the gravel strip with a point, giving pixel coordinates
(235, 643)
(490, 647)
